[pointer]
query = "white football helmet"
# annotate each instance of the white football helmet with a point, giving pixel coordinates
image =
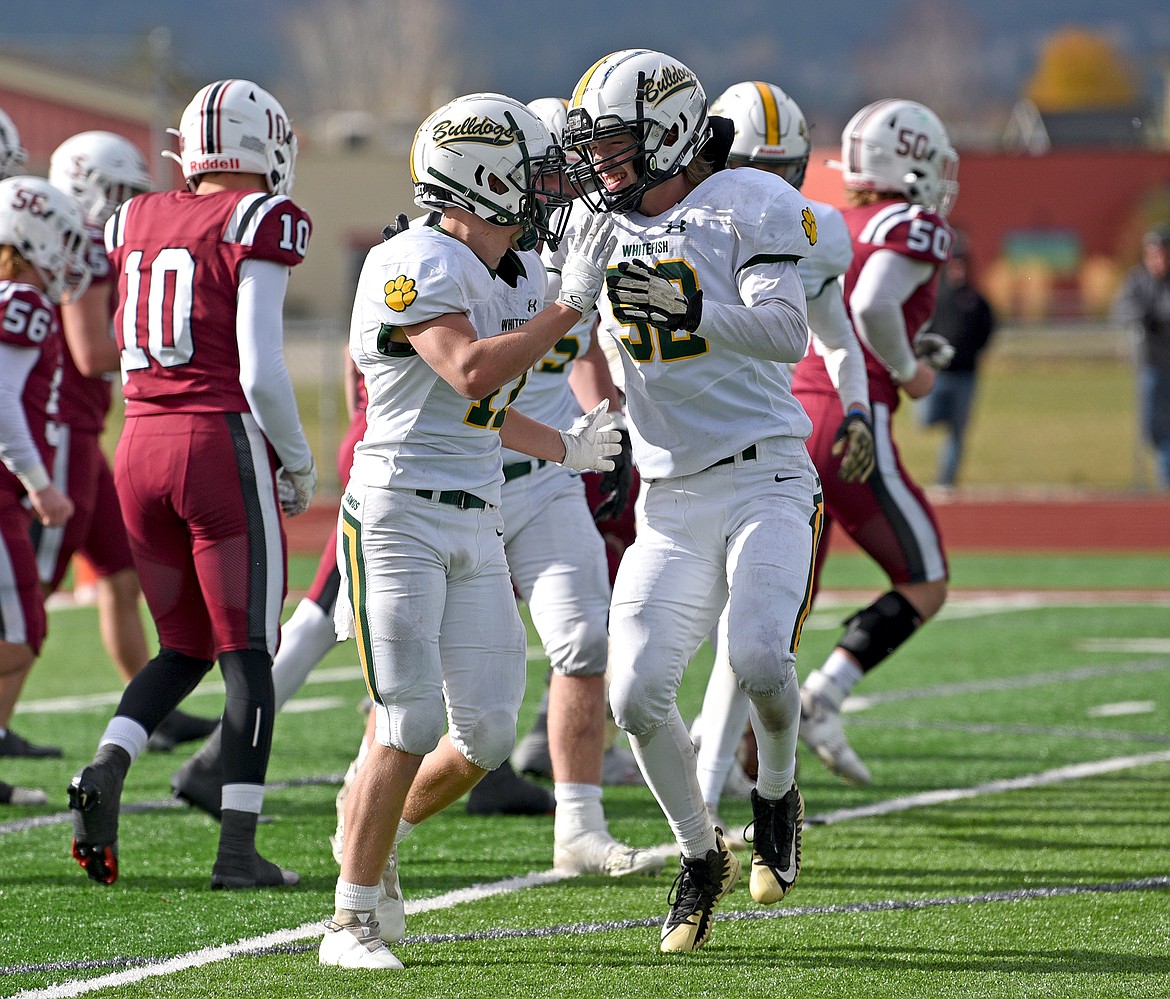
(12, 153)
(900, 147)
(234, 126)
(490, 155)
(654, 100)
(45, 226)
(101, 170)
(770, 130)
(553, 111)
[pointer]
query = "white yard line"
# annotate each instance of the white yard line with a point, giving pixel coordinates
(284, 938)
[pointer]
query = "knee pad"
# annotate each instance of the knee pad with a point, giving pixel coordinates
(637, 706)
(490, 741)
(413, 727)
(761, 665)
(873, 633)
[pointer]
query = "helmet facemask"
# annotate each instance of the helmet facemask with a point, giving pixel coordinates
(651, 100)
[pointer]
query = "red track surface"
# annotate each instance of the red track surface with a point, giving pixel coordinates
(1124, 523)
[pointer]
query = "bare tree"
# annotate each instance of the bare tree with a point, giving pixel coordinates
(388, 58)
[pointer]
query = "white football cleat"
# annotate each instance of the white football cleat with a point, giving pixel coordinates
(600, 853)
(821, 731)
(391, 910)
(337, 840)
(352, 940)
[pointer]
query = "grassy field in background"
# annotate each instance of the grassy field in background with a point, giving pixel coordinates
(1056, 412)
(1013, 844)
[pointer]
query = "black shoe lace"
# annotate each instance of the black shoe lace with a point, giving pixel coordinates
(697, 882)
(766, 841)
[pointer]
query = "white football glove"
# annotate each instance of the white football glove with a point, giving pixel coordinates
(933, 350)
(591, 441)
(584, 268)
(295, 489)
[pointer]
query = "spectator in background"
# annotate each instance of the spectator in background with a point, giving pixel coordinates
(965, 319)
(1144, 304)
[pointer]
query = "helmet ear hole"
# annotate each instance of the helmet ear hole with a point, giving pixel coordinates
(486, 154)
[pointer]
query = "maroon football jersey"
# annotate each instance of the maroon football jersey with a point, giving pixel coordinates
(85, 401)
(177, 257)
(911, 230)
(30, 321)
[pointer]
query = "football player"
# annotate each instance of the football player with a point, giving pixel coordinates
(900, 175)
(211, 452)
(704, 297)
(771, 134)
(42, 257)
(100, 170)
(447, 323)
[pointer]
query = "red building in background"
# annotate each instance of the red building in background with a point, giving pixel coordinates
(1050, 234)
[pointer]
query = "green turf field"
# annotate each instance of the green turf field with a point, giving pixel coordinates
(1015, 842)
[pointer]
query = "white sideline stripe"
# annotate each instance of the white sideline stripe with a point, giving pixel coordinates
(1076, 771)
(210, 955)
(1120, 709)
(279, 938)
(333, 674)
(860, 703)
(305, 705)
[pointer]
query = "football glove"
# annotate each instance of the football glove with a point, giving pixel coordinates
(639, 295)
(295, 489)
(583, 270)
(400, 224)
(854, 446)
(590, 442)
(615, 485)
(933, 350)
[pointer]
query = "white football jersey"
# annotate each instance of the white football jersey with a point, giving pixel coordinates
(692, 402)
(547, 396)
(832, 254)
(420, 433)
(822, 274)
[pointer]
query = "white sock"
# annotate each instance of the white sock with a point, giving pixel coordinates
(243, 797)
(305, 639)
(578, 811)
(667, 758)
(776, 722)
(127, 733)
(842, 670)
(356, 898)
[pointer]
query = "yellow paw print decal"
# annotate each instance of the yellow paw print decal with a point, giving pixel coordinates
(809, 221)
(400, 293)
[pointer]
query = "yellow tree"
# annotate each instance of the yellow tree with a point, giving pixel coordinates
(1079, 70)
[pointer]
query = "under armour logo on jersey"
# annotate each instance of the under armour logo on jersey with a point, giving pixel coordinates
(400, 293)
(809, 221)
(679, 226)
(532, 305)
